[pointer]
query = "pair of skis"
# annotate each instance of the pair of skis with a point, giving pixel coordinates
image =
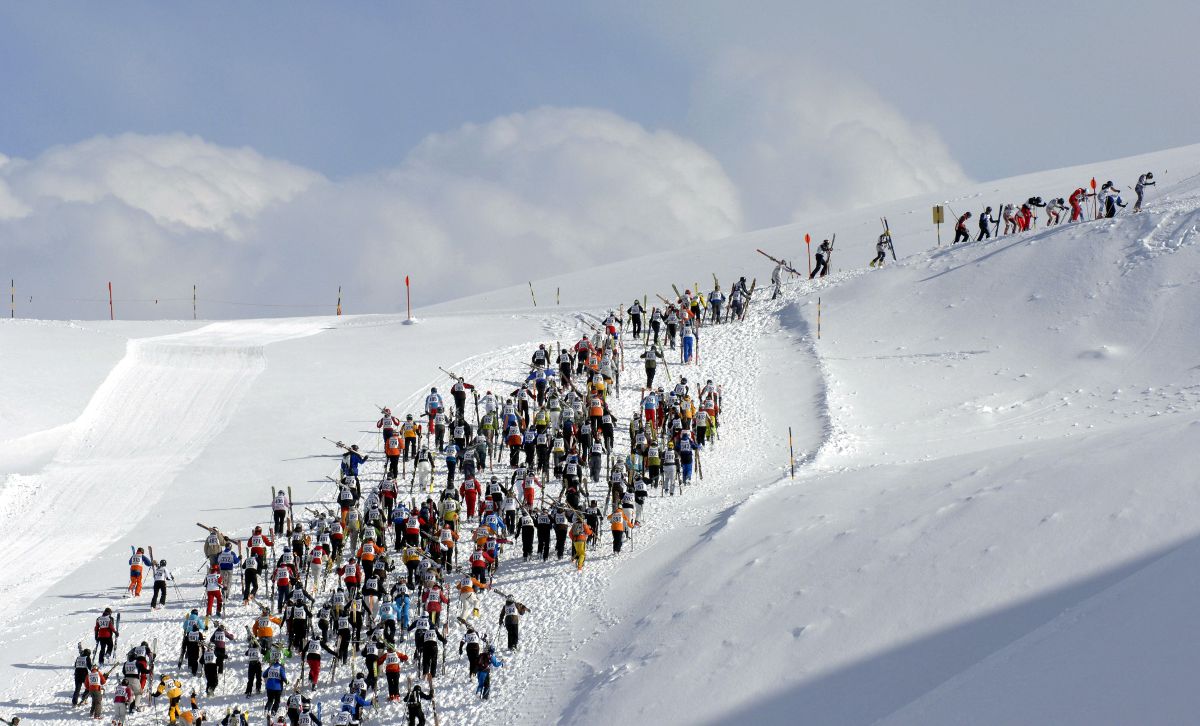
(777, 261)
(891, 246)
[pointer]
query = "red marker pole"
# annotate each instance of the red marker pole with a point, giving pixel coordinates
(1095, 201)
(408, 296)
(808, 246)
(110, 305)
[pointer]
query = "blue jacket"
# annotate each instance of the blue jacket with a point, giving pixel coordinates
(387, 611)
(350, 463)
(494, 521)
(275, 676)
(192, 618)
(352, 702)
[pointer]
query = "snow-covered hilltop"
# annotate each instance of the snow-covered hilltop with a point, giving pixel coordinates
(992, 520)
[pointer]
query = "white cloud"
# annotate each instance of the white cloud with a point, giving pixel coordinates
(176, 179)
(799, 139)
(479, 207)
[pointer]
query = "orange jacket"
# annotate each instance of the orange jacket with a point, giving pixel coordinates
(369, 551)
(392, 660)
(393, 446)
(620, 521)
(263, 626)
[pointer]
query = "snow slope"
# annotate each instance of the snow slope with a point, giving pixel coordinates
(993, 445)
(1010, 426)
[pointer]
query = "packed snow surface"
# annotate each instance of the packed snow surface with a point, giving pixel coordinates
(993, 518)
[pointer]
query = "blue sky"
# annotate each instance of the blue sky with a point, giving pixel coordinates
(350, 87)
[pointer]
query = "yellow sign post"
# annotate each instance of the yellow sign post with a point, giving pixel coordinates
(939, 216)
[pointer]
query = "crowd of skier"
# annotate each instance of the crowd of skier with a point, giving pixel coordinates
(381, 589)
(389, 578)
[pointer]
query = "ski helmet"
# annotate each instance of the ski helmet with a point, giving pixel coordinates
(162, 563)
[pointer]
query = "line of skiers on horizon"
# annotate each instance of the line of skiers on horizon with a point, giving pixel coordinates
(1024, 217)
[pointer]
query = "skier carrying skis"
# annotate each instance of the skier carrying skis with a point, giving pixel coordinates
(95, 689)
(351, 460)
(83, 664)
(388, 425)
(1145, 180)
(483, 671)
(416, 715)
(960, 229)
(986, 219)
(881, 249)
(635, 317)
(161, 576)
(821, 269)
(105, 630)
(279, 510)
(137, 561)
(777, 278)
(716, 299)
(1054, 210)
(1076, 202)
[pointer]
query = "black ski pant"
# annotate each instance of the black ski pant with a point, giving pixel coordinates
(249, 584)
(393, 681)
(560, 539)
(544, 542)
(254, 678)
(879, 258)
(429, 660)
(416, 716)
(105, 649)
(821, 269)
(618, 537)
(961, 235)
(527, 542)
(160, 593)
(279, 517)
(650, 370)
(984, 233)
(637, 325)
(513, 631)
(80, 679)
(273, 701)
(654, 326)
(393, 465)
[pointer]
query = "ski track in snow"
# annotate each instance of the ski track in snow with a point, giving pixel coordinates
(534, 678)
